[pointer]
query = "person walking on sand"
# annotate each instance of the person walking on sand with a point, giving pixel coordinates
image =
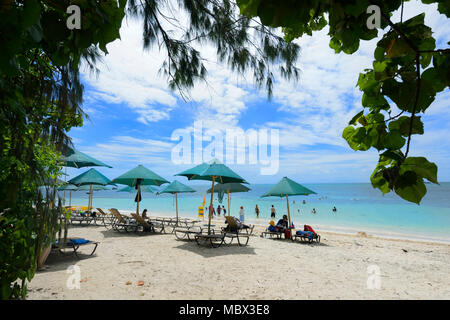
(241, 214)
(144, 214)
(224, 211)
(272, 212)
(219, 209)
(257, 211)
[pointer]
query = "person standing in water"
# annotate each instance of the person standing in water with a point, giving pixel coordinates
(242, 214)
(224, 210)
(272, 212)
(257, 211)
(219, 209)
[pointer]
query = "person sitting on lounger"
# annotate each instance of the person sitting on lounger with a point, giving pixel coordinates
(282, 224)
(272, 227)
(238, 223)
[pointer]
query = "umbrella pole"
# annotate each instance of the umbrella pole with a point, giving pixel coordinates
(138, 199)
(176, 201)
(70, 201)
(90, 198)
(228, 197)
(210, 206)
(289, 214)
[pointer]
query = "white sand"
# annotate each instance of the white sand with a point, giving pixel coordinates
(265, 269)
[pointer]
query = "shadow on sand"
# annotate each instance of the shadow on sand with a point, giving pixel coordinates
(209, 252)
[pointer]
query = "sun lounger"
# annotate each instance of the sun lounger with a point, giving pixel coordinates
(234, 231)
(75, 244)
(103, 218)
(304, 237)
(185, 233)
(149, 225)
(213, 239)
(121, 223)
(80, 219)
(271, 234)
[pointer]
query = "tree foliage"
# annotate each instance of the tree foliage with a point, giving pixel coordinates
(408, 72)
(40, 100)
(242, 43)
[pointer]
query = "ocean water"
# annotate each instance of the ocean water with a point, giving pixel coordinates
(359, 208)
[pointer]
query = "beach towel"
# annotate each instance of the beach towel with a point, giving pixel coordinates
(309, 234)
(308, 228)
(77, 241)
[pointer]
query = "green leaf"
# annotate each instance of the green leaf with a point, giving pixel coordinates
(403, 123)
(410, 187)
(356, 117)
(422, 167)
(31, 13)
(394, 140)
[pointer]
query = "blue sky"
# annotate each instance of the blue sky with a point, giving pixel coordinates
(133, 114)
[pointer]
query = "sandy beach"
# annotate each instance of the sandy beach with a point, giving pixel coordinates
(337, 268)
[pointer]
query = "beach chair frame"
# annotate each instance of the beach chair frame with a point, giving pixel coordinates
(185, 233)
(233, 231)
(75, 247)
(215, 240)
(305, 238)
(272, 234)
(80, 219)
(107, 218)
(155, 227)
(120, 224)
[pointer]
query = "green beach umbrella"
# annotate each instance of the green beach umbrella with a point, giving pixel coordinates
(137, 177)
(95, 187)
(231, 187)
(285, 188)
(214, 171)
(132, 189)
(90, 177)
(68, 187)
(77, 159)
(174, 188)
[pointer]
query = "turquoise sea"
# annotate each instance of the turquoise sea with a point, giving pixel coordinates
(359, 208)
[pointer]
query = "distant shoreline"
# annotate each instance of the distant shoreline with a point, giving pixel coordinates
(369, 233)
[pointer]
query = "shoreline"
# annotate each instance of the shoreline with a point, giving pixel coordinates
(360, 232)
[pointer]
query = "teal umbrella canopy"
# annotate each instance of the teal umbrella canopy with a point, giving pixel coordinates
(77, 159)
(91, 176)
(176, 187)
(68, 187)
(133, 189)
(214, 168)
(195, 172)
(143, 175)
(95, 187)
(229, 187)
(288, 187)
